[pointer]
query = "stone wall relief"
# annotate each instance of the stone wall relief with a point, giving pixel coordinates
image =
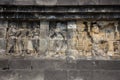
(57, 39)
(60, 39)
(22, 39)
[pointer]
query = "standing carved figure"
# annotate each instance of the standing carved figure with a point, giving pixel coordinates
(12, 46)
(36, 35)
(97, 49)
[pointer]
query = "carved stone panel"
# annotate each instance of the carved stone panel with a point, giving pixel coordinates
(61, 39)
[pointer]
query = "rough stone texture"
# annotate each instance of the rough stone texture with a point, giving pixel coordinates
(52, 65)
(24, 2)
(58, 70)
(88, 2)
(85, 65)
(4, 64)
(20, 64)
(81, 75)
(107, 65)
(55, 75)
(60, 2)
(106, 75)
(46, 2)
(105, 2)
(21, 75)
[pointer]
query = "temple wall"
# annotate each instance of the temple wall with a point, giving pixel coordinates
(30, 69)
(60, 39)
(59, 2)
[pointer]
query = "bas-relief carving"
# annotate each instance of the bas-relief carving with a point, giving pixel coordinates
(57, 42)
(91, 40)
(62, 39)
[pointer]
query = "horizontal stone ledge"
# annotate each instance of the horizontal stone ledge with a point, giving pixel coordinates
(48, 64)
(60, 2)
(65, 19)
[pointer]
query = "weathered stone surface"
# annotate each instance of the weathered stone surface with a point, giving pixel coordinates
(4, 64)
(2, 46)
(60, 70)
(67, 2)
(53, 65)
(106, 75)
(88, 2)
(43, 64)
(24, 2)
(60, 2)
(63, 65)
(19, 64)
(5, 1)
(46, 2)
(85, 65)
(80, 75)
(55, 75)
(107, 65)
(21, 75)
(106, 2)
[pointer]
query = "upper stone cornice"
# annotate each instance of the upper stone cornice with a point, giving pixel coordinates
(59, 2)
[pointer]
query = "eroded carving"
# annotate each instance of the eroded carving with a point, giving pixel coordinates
(61, 39)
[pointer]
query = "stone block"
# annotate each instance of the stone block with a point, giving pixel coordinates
(80, 75)
(43, 64)
(107, 2)
(53, 65)
(46, 2)
(55, 75)
(106, 75)
(7, 75)
(2, 32)
(85, 65)
(44, 45)
(5, 1)
(4, 64)
(20, 64)
(21, 75)
(88, 2)
(64, 65)
(24, 2)
(67, 2)
(2, 46)
(107, 65)
(44, 34)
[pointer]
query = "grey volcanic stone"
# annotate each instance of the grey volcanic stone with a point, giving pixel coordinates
(52, 65)
(60, 2)
(5, 1)
(24, 2)
(80, 75)
(107, 2)
(55, 75)
(20, 64)
(46, 2)
(88, 2)
(67, 2)
(21, 75)
(106, 75)
(4, 65)
(85, 65)
(107, 65)
(43, 64)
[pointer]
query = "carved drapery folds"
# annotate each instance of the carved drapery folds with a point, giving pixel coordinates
(60, 39)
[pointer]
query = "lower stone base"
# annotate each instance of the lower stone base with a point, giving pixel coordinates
(27, 69)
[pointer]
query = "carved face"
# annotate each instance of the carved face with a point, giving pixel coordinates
(81, 27)
(95, 29)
